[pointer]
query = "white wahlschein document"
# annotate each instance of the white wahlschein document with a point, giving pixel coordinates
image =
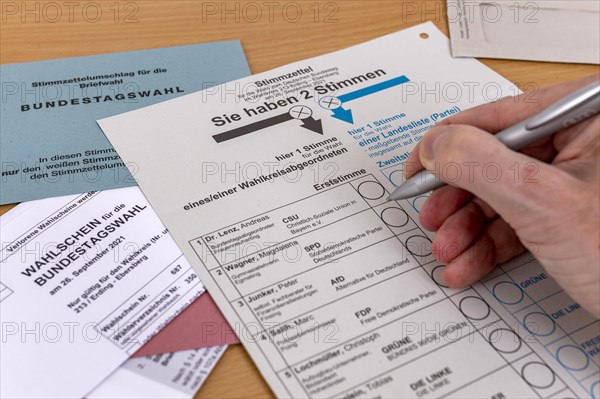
(275, 188)
(85, 281)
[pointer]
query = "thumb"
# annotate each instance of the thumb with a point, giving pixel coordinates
(516, 186)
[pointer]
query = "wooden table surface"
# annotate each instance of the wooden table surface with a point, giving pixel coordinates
(273, 33)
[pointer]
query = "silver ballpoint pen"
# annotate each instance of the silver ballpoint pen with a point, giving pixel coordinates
(576, 107)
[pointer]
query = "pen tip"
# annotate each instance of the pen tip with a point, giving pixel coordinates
(389, 198)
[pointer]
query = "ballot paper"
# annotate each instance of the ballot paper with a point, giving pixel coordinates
(547, 30)
(51, 144)
(277, 196)
(177, 375)
(85, 281)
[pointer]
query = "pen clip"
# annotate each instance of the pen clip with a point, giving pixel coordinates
(563, 107)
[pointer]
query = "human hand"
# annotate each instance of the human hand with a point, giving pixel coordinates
(545, 198)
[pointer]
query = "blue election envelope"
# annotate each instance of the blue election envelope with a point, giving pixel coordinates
(50, 142)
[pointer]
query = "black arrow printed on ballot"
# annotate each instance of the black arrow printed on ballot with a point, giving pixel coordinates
(313, 124)
(308, 123)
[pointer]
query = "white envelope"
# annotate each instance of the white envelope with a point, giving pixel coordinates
(177, 375)
(547, 30)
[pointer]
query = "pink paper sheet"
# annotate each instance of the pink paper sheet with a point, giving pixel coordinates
(200, 325)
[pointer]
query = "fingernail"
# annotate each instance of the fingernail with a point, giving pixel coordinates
(431, 139)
